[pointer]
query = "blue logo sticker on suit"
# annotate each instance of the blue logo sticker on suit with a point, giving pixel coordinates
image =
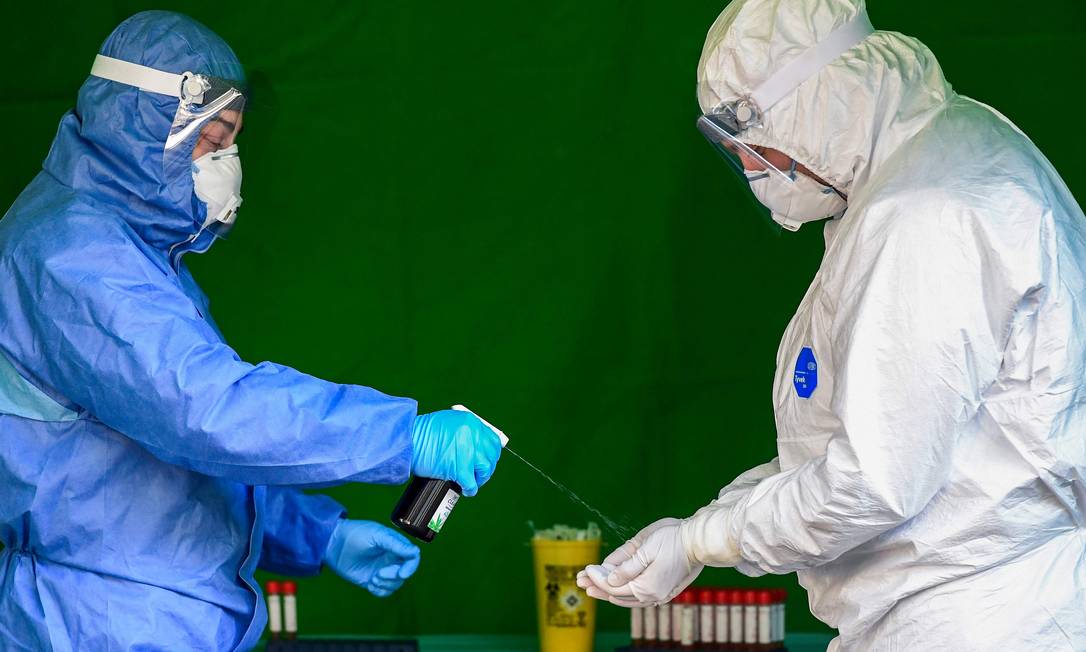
(806, 376)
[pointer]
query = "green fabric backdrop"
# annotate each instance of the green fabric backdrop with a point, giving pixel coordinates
(507, 205)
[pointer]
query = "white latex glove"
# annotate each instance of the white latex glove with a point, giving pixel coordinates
(707, 533)
(649, 569)
(627, 550)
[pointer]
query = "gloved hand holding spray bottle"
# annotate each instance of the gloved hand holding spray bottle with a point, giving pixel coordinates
(455, 453)
(454, 456)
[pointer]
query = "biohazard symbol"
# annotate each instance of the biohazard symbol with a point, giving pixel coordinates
(565, 600)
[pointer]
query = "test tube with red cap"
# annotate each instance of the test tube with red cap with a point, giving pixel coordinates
(735, 618)
(706, 618)
(651, 634)
(767, 621)
(677, 619)
(290, 610)
(750, 617)
(275, 611)
(678, 607)
(637, 627)
(720, 618)
(688, 620)
(782, 598)
(663, 625)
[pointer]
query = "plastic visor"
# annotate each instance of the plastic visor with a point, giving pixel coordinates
(746, 162)
(744, 159)
(209, 126)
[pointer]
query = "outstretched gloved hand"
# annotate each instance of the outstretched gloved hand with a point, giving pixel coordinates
(372, 556)
(649, 569)
(457, 446)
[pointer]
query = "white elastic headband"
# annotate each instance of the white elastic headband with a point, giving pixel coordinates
(187, 86)
(815, 58)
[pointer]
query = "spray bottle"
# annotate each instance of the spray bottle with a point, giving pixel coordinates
(426, 504)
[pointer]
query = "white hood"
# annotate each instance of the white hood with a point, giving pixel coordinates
(849, 117)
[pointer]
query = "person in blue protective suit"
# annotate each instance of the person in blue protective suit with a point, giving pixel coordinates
(146, 471)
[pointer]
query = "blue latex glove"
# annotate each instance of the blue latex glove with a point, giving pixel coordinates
(372, 556)
(454, 445)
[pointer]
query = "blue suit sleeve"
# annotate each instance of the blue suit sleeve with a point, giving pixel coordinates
(116, 334)
(297, 528)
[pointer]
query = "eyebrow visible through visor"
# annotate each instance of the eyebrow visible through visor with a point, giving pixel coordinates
(229, 124)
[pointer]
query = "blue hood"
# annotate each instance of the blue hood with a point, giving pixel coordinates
(109, 149)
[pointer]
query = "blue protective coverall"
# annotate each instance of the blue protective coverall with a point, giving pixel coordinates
(145, 469)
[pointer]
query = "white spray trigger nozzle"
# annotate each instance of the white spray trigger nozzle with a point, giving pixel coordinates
(499, 433)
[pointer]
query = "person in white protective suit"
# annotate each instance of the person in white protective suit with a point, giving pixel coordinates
(929, 395)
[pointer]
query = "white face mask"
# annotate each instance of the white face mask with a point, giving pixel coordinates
(216, 177)
(794, 204)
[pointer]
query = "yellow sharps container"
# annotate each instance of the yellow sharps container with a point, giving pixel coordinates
(567, 616)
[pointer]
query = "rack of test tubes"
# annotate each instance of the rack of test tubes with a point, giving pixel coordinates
(282, 601)
(712, 620)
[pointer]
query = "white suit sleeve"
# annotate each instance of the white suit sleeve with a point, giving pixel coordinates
(916, 341)
(748, 480)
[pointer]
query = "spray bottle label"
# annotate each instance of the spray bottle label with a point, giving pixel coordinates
(441, 514)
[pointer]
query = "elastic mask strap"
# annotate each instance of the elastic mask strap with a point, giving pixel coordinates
(803, 67)
(794, 174)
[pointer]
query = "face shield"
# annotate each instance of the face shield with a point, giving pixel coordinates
(721, 130)
(751, 163)
(203, 133)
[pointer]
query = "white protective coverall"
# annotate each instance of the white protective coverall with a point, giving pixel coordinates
(930, 491)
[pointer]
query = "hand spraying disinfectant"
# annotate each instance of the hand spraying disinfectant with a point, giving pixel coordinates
(426, 504)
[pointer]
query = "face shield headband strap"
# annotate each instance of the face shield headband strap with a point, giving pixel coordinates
(188, 87)
(747, 112)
